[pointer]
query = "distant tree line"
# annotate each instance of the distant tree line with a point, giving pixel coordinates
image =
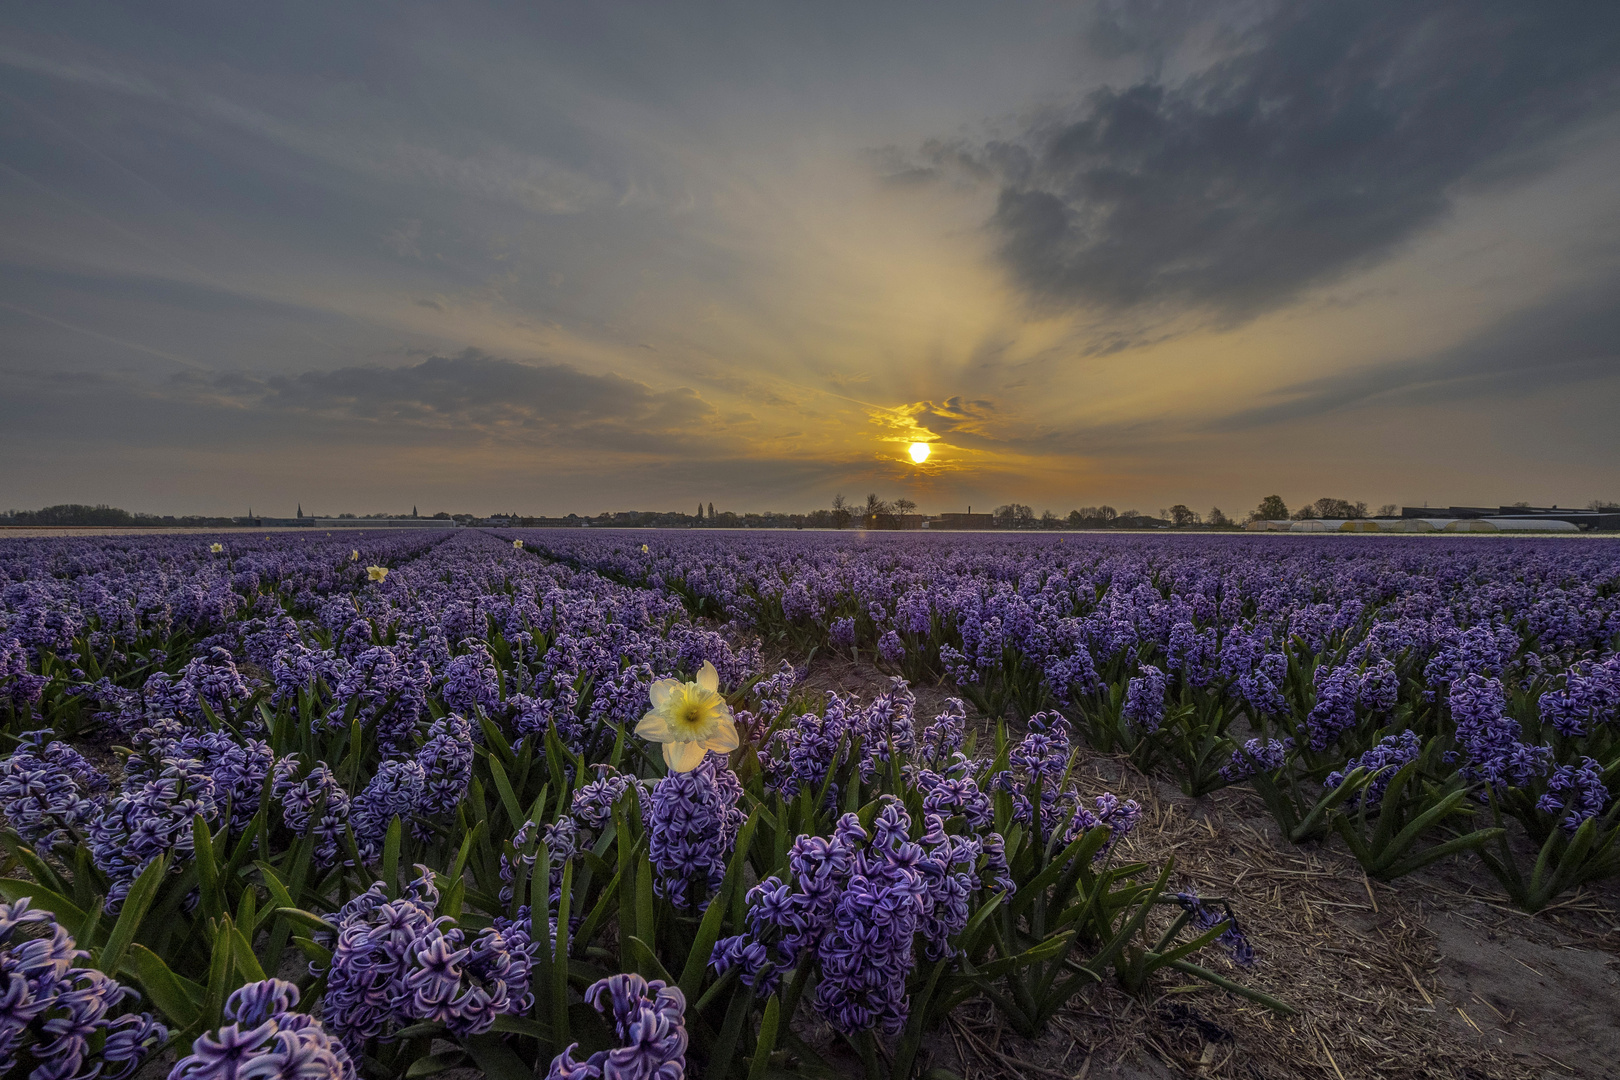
(101, 514)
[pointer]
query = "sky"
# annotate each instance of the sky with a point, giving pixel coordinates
(551, 258)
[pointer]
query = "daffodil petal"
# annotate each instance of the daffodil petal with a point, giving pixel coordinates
(683, 756)
(723, 739)
(654, 726)
(708, 678)
(661, 691)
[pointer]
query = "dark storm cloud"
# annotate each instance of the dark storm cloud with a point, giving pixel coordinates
(1325, 135)
(1571, 338)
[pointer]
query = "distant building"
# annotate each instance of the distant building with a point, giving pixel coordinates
(1581, 519)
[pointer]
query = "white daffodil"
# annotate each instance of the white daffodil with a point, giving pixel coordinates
(518, 544)
(690, 719)
(217, 548)
(377, 573)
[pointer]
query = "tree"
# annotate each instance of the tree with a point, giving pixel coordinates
(1049, 520)
(1389, 510)
(1218, 519)
(1014, 515)
(1180, 516)
(1106, 514)
(904, 507)
(700, 511)
(1078, 518)
(711, 511)
(840, 511)
(1271, 508)
(1306, 513)
(1338, 508)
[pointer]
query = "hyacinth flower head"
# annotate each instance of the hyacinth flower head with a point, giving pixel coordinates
(266, 1039)
(377, 573)
(689, 719)
(54, 1015)
(649, 1019)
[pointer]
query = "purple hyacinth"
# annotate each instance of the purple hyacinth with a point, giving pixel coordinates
(394, 963)
(1490, 739)
(649, 1019)
(48, 791)
(842, 634)
(54, 1015)
(691, 820)
(1385, 758)
(266, 1039)
(396, 789)
(593, 804)
(1144, 700)
(1576, 791)
(150, 818)
(1256, 756)
(446, 760)
(1334, 713)
(298, 800)
(1118, 816)
(860, 904)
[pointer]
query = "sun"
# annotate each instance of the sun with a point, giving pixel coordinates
(919, 452)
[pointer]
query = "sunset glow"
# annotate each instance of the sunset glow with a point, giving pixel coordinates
(919, 452)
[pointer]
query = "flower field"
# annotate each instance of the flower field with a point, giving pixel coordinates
(570, 804)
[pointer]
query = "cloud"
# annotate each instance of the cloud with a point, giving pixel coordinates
(1316, 141)
(474, 393)
(1571, 338)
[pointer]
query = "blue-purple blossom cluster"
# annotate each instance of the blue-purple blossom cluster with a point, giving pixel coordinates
(861, 905)
(395, 963)
(692, 820)
(56, 1016)
(649, 1019)
(266, 1040)
(1383, 761)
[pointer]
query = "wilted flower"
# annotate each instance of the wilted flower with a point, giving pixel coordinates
(377, 573)
(690, 719)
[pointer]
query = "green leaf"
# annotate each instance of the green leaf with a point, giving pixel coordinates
(246, 962)
(647, 962)
(65, 910)
(767, 1039)
(207, 870)
(697, 960)
(495, 1059)
(508, 796)
(179, 999)
(390, 872)
(136, 904)
(436, 1063)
